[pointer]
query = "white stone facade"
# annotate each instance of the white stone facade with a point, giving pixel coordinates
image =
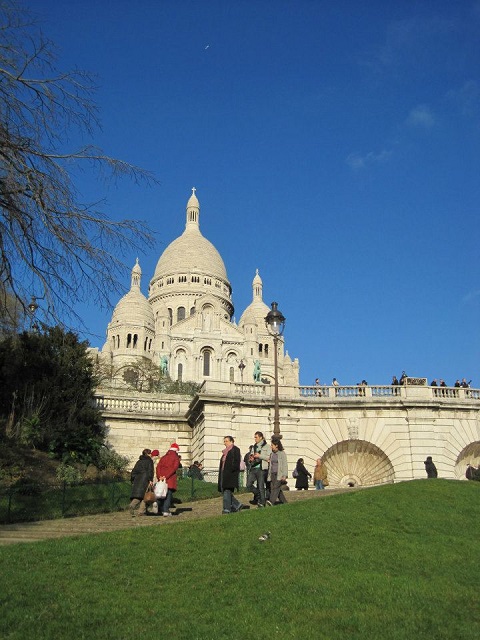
(186, 322)
(383, 435)
(368, 435)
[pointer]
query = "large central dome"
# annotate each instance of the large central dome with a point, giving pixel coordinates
(191, 251)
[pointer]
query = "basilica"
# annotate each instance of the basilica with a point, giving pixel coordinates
(185, 328)
(185, 325)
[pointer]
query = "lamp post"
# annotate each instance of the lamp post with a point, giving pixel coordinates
(275, 323)
(32, 307)
(241, 366)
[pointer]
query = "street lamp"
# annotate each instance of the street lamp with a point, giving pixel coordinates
(275, 323)
(241, 366)
(32, 307)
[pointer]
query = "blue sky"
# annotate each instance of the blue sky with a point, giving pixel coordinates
(334, 146)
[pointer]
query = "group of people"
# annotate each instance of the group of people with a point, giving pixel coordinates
(267, 469)
(267, 472)
(266, 466)
(402, 381)
(143, 477)
(463, 384)
(302, 475)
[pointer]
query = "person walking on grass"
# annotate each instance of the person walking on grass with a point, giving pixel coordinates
(141, 478)
(430, 468)
(301, 475)
(228, 474)
(277, 472)
(320, 477)
(167, 470)
(257, 461)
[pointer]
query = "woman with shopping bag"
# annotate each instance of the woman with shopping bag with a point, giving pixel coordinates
(167, 471)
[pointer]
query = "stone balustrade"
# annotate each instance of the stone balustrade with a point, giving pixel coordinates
(123, 402)
(396, 392)
(118, 404)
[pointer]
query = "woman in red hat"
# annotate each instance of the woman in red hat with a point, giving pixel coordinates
(167, 470)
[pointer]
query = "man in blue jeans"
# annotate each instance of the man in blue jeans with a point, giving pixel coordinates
(257, 461)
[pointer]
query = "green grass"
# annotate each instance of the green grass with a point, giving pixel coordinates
(399, 561)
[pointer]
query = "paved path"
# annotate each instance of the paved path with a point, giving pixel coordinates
(48, 529)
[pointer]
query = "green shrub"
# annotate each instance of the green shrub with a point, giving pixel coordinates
(111, 461)
(68, 474)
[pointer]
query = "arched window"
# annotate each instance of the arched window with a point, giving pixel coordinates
(232, 374)
(170, 316)
(180, 372)
(135, 340)
(180, 314)
(206, 363)
(129, 340)
(192, 311)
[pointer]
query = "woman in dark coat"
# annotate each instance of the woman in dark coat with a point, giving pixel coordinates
(430, 468)
(141, 478)
(302, 475)
(228, 472)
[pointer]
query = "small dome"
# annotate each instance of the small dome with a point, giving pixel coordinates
(193, 200)
(257, 310)
(134, 308)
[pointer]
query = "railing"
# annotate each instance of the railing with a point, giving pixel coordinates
(156, 405)
(134, 405)
(391, 391)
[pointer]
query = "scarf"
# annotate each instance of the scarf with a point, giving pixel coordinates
(225, 452)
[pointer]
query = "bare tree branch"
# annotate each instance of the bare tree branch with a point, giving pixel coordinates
(52, 244)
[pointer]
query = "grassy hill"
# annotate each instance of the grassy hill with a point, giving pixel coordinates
(398, 561)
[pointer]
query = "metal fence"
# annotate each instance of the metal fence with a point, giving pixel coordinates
(30, 501)
(34, 501)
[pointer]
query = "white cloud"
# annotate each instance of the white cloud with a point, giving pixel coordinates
(421, 116)
(357, 162)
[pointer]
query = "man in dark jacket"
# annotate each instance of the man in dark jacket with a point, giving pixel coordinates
(228, 472)
(141, 478)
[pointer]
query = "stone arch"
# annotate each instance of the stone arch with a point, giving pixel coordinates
(469, 455)
(358, 462)
(207, 358)
(179, 369)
